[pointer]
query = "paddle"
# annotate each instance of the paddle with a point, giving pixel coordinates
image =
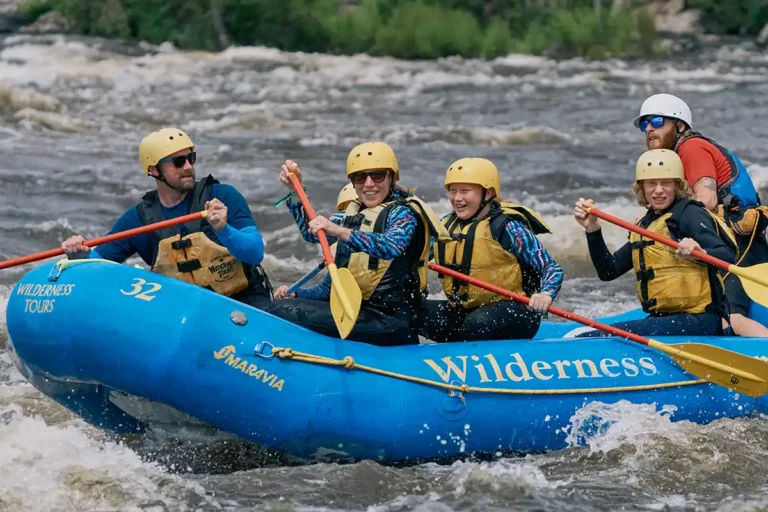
(303, 280)
(756, 276)
(345, 293)
(106, 239)
(732, 370)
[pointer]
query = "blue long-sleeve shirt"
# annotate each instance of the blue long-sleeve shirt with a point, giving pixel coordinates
(240, 236)
(527, 248)
(393, 242)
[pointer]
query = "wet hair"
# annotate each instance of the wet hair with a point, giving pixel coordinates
(682, 189)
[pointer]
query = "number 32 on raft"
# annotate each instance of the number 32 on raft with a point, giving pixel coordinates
(140, 291)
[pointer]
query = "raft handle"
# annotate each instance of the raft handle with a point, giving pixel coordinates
(259, 350)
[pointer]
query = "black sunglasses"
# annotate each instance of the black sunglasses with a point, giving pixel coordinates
(179, 161)
(359, 178)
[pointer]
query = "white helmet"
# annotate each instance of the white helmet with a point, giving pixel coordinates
(665, 105)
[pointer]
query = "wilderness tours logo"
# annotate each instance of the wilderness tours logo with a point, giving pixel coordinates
(487, 368)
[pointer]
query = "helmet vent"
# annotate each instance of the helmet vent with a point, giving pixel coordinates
(370, 153)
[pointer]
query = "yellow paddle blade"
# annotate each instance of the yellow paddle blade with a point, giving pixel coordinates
(345, 299)
(741, 373)
(755, 281)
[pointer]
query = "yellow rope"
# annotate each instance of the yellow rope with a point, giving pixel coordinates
(749, 246)
(350, 364)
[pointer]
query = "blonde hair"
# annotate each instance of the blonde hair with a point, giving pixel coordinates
(682, 189)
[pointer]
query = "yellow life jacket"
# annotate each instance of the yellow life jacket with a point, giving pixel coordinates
(668, 283)
(370, 271)
(191, 253)
(197, 259)
(476, 250)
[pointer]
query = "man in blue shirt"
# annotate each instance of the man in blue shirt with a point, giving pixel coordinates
(222, 252)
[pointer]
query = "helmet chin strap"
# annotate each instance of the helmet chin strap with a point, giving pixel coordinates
(391, 192)
(678, 134)
(482, 205)
(160, 177)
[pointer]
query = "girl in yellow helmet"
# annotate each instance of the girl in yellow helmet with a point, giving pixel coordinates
(682, 296)
(495, 241)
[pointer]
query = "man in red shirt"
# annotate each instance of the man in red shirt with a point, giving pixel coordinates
(717, 177)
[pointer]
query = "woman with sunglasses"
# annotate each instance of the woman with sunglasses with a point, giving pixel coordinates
(681, 295)
(494, 241)
(721, 182)
(222, 253)
(383, 239)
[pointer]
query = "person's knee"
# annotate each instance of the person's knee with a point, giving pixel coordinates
(746, 327)
(258, 302)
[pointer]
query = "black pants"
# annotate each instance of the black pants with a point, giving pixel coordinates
(736, 297)
(505, 320)
(257, 297)
(372, 326)
(684, 324)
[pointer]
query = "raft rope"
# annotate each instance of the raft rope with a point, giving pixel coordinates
(349, 364)
(749, 246)
(63, 265)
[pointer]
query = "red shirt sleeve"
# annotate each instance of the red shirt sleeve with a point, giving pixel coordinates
(698, 160)
(701, 159)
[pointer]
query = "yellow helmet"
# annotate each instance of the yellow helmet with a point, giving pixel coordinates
(372, 155)
(158, 145)
(659, 164)
(347, 195)
(477, 171)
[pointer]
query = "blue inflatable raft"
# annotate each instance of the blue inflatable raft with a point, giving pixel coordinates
(108, 341)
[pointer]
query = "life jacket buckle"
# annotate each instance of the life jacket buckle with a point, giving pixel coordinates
(188, 265)
(181, 244)
(646, 275)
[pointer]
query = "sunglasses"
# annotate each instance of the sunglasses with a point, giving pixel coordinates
(179, 161)
(656, 121)
(359, 178)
